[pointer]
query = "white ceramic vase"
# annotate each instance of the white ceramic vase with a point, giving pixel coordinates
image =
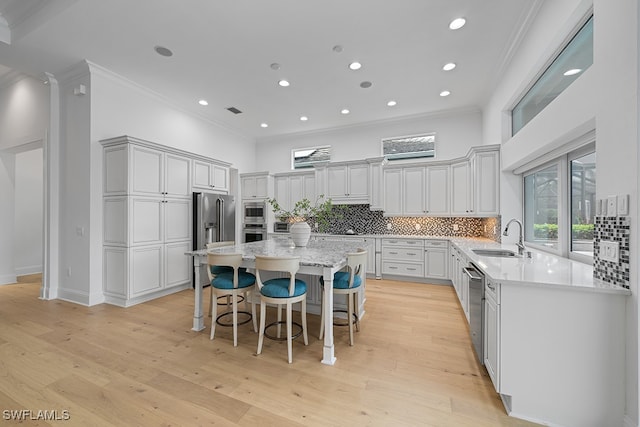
(300, 233)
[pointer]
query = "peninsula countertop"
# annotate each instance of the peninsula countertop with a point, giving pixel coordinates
(542, 269)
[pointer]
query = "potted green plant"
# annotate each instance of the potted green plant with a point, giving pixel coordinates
(321, 212)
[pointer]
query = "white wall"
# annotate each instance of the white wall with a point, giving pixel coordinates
(28, 212)
(120, 107)
(113, 106)
(24, 113)
(455, 131)
(605, 98)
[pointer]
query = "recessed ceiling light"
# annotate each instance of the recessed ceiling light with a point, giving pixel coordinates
(203, 102)
(344, 111)
(392, 103)
(304, 118)
(448, 67)
(572, 71)
(275, 66)
(355, 65)
(264, 125)
(445, 93)
(283, 83)
(457, 23)
(163, 51)
(365, 85)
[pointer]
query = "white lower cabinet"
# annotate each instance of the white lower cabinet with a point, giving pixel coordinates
(403, 257)
(491, 328)
(416, 258)
(436, 259)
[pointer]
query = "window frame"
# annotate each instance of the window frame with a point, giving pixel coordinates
(562, 162)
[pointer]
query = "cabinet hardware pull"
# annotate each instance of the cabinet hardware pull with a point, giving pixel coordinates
(411, 253)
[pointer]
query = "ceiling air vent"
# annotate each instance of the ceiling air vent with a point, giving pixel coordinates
(234, 110)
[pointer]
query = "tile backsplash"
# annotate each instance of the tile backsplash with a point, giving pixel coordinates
(362, 220)
(616, 229)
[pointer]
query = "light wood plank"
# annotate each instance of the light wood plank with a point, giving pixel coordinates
(412, 364)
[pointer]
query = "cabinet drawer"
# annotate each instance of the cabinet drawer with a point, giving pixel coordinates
(402, 254)
(436, 243)
(403, 269)
(418, 243)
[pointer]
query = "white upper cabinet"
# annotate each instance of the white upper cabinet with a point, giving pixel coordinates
(413, 191)
(461, 189)
(255, 186)
(392, 192)
(417, 191)
(487, 183)
(376, 184)
(347, 183)
(210, 176)
(176, 177)
(291, 188)
(438, 190)
(153, 172)
(468, 186)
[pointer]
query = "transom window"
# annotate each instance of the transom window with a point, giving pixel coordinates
(570, 63)
(307, 157)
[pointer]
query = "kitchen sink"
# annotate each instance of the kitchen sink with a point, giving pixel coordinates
(503, 253)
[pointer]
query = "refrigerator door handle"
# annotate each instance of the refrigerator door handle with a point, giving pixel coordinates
(220, 210)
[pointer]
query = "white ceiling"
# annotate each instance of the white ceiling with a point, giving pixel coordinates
(223, 50)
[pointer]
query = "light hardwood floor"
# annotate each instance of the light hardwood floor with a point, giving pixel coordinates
(412, 365)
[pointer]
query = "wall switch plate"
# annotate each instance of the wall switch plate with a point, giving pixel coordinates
(609, 251)
(612, 206)
(623, 204)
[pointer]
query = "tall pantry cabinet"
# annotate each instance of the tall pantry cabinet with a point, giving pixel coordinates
(147, 220)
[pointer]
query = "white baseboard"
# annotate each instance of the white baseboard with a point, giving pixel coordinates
(79, 297)
(32, 269)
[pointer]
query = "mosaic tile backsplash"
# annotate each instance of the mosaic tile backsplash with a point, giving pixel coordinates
(616, 229)
(362, 220)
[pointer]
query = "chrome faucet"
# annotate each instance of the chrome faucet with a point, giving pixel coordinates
(520, 243)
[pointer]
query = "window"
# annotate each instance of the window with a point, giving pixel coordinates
(541, 207)
(572, 61)
(583, 203)
(559, 205)
(307, 157)
(405, 147)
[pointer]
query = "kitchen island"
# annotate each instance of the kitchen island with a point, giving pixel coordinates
(319, 258)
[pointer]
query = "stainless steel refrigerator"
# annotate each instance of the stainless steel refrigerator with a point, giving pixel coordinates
(214, 220)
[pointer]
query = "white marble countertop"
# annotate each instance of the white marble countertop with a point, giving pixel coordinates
(542, 269)
(318, 253)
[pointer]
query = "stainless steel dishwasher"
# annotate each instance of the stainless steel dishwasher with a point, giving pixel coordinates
(476, 308)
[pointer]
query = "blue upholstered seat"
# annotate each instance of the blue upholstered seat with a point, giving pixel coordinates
(225, 280)
(341, 280)
(279, 288)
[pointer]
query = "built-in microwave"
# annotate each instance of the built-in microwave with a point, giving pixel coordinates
(254, 212)
(281, 227)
